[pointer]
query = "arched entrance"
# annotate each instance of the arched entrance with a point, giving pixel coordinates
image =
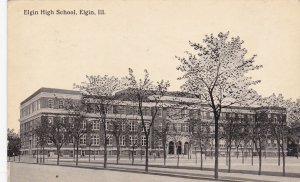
(171, 148)
(179, 151)
(186, 148)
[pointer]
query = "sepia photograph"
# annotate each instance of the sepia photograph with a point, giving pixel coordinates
(158, 90)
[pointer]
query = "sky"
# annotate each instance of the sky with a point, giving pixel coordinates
(59, 50)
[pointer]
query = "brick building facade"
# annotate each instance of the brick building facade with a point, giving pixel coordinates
(177, 109)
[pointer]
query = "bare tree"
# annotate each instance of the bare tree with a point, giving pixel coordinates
(278, 122)
(134, 137)
(42, 132)
(119, 130)
(228, 126)
(58, 133)
(140, 92)
(77, 123)
(216, 73)
(100, 91)
(161, 132)
(200, 132)
(260, 132)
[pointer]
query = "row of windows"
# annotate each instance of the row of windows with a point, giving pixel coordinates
(31, 108)
(60, 103)
(95, 139)
(133, 110)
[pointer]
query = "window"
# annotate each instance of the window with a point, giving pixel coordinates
(123, 125)
(84, 124)
(107, 126)
(178, 127)
(123, 140)
(95, 139)
(82, 139)
(160, 112)
(38, 104)
(110, 109)
(143, 141)
(160, 127)
(146, 126)
(61, 104)
(50, 103)
(135, 110)
(34, 106)
(186, 112)
(109, 140)
(275, 119)
(130, 140)
(121, 109)
(31, 108)
(185, 128)
(96, 125)
(132, 126)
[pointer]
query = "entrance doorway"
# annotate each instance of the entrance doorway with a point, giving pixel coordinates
(179, 148)
(186, 148)
(171, 148)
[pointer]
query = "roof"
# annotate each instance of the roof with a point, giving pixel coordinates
(51, 90)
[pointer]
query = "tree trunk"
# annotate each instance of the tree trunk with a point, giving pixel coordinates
(177, 159)
(89, 153)
(188, 152)
(237, 152)
(278, 152)
(77, 146)
(243, 158)
(259, 156)
(229, 160)
(165, 155)
(196, 156)
(58, 152)
(226, 160)
(37, 155)
(105, 153)
(74, 150)
(216, 147)
(132, 153)
(43, 154)
(118, 152)
(201, 167)
(252, 156)
(147, 140)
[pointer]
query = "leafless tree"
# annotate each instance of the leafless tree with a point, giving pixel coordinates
(161, 132)
(58, 133)
(100, 91)
(140, 92)
(42, 133)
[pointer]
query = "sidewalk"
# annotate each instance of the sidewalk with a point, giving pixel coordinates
(188, 173)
